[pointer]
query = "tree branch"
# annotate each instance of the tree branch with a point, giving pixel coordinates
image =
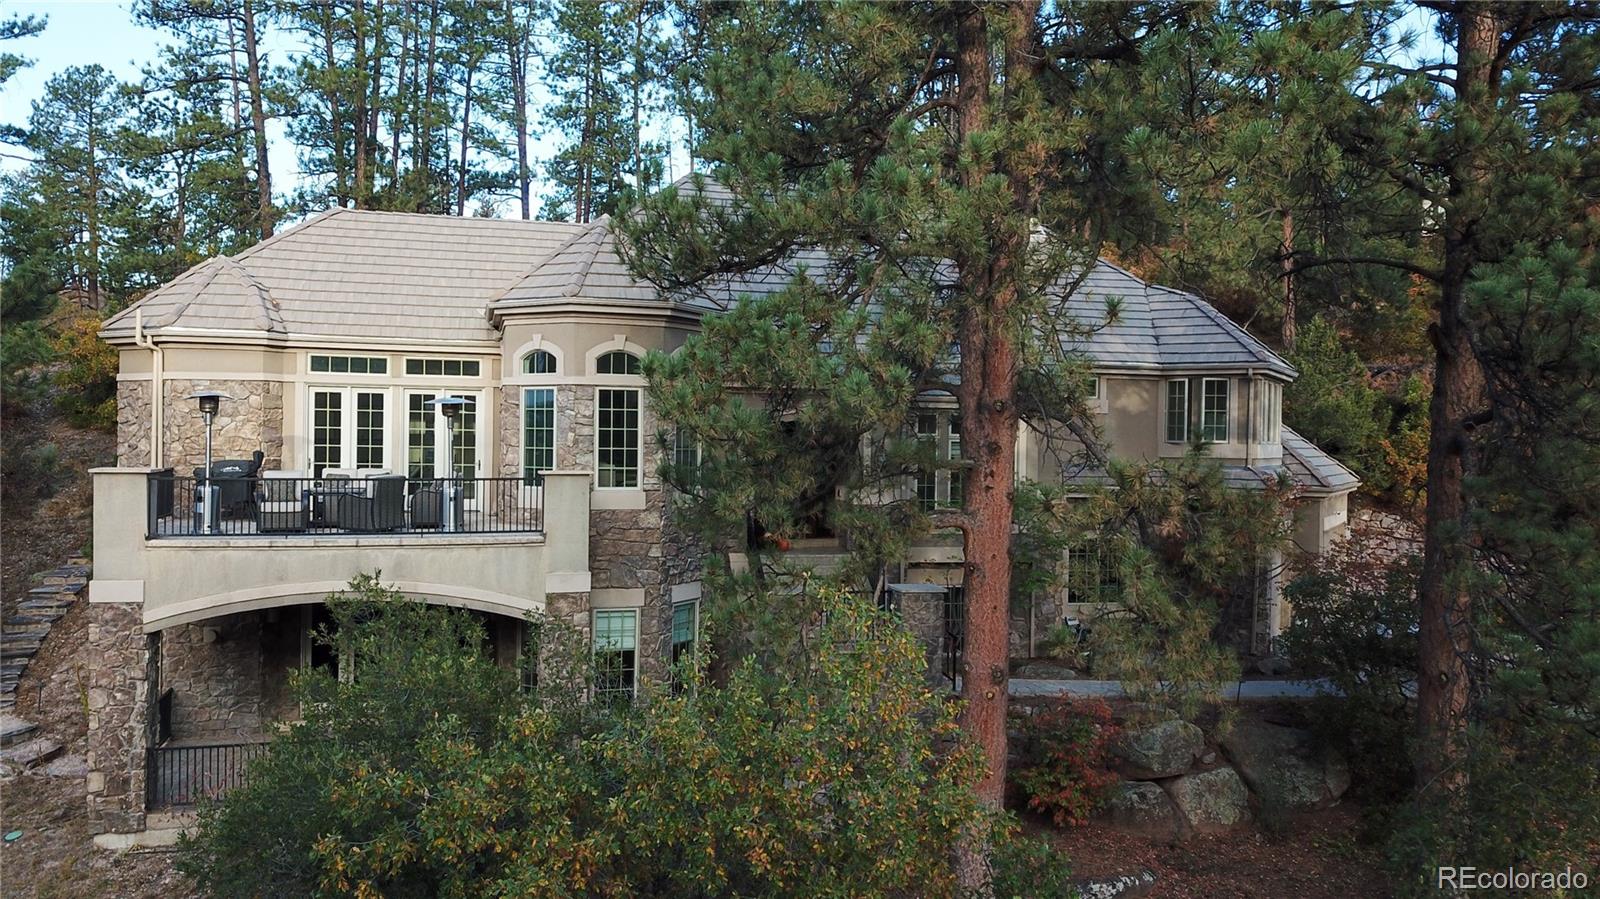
(1400, 264)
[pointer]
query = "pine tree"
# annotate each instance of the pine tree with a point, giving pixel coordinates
(221, 48)
(890, 137)
(589, 108)
(72, 134)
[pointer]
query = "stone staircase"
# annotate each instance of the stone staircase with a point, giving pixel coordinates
(27, 627)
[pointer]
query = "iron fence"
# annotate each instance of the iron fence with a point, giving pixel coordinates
(378, 504)
(178, 776)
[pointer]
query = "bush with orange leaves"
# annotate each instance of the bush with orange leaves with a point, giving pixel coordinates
(1068, 776)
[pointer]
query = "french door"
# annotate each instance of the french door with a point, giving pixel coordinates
(349, 428)
(434, 451)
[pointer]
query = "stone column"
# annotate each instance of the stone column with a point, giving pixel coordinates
(121, 662)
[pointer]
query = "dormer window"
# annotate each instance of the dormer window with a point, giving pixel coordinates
(617, 362)
(539, 362)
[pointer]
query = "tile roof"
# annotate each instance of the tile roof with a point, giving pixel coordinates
(344, 273)
(1314, 469)
(432, 278)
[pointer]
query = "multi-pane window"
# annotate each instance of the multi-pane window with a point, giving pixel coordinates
(685, 628)
(369, 429)
(946, 486)
(452, 368)
(927, 482)
(957, 493)
(1214, 410)
(539, 362)
(420, 437)
(617, 362)
(349, 428)
(1178, 411)
(355, 365)
(538, 431)
(686, 455)
(1271, 412)
(1092, 575)
(617, 437)
(615, 654)
(327, 430)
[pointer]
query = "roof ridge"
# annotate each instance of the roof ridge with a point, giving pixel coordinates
(179, 309)
(599, 229)
(1244, 338)
(271, 317)
(545, 259)
(128, 311)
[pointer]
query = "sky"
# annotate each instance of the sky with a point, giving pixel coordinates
(82, 32)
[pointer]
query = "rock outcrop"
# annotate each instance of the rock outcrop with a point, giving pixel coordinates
(1285, 766)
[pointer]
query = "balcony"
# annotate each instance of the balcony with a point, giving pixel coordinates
(385, 504)
(499, 545)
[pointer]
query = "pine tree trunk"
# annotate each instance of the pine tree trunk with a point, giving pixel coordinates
(466, 124)
(425, 123)
(397, 120)
(258, 122)
(358, 24)
(1445, 636)
(517, 55)
(330, 95)
(380, 49)
(233, 75)
(92, 214)
(1286, 254)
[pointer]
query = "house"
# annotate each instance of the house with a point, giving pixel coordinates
(532, 487)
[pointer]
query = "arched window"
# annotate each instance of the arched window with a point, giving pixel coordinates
(539, 362)
(617, 362)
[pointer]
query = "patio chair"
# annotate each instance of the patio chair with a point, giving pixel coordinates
(427, 506)
(280, 504)
(383, 510)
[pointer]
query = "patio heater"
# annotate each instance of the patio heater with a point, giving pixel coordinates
(450, 407)
(209, 401)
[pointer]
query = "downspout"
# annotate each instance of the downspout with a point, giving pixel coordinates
(141, 339)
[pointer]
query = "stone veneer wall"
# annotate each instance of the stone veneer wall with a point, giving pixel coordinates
(120, 661)
(252, 420)
(213, 669)
(133, 423)
(628, 548)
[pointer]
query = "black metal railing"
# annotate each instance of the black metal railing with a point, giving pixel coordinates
(177, 776)
(380, 504)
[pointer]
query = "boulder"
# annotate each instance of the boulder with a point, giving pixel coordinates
(1158, 750)
(1138, 714)
(1285, 766)
(1142, 805)
(1210, 800)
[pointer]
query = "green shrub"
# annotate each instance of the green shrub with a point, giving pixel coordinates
(431, 774)
(1355, 624)
(1066, 747)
